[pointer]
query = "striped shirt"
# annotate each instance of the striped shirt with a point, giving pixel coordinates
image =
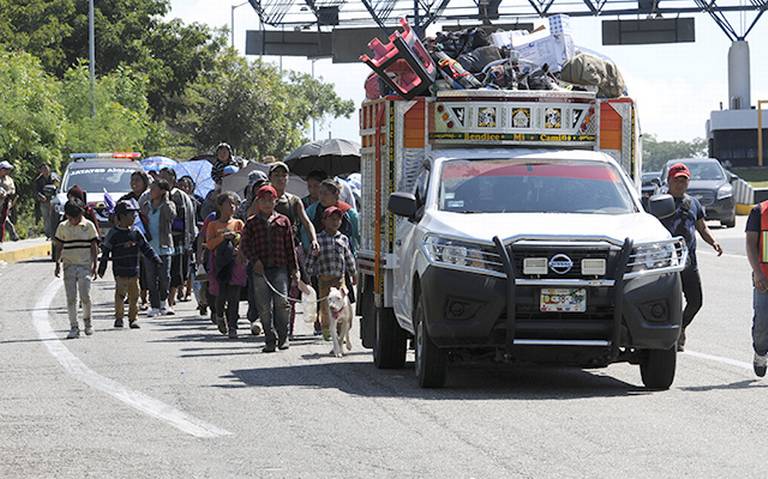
(76, 241)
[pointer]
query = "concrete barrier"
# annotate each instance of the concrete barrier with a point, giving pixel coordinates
(11, 254)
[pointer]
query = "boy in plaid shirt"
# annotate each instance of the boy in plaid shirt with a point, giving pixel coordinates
(334, 260)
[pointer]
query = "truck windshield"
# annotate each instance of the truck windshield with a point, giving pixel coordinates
(533, 186)
(97, 179)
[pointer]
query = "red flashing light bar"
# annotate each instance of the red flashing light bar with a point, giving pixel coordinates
(90, 156)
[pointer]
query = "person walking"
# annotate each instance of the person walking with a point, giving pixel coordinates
(291, 206)
(184, 232)
(160, 212)
(140, 188)
(685, 222)
(187, 185)
(43, 195)
(7, 194)
(314, 180)
(332, 263)
(124, 243)
(228, 277)
(77, 249)
(757, 254)
(269, 246)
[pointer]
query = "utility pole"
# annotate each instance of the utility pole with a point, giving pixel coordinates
(232, 22)
(313, 118)
(92, 56)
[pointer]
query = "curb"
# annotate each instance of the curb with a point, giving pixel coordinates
(21, 254)
(743, 210)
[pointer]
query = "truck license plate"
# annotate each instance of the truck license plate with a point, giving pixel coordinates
(563, 300)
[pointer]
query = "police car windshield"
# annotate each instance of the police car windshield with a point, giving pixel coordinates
(97, 179)
(533, 186)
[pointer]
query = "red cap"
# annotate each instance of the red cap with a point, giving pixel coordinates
(677, 170)
(332, 210)
(266, 190)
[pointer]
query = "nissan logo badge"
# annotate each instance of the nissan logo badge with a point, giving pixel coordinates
(560, 264)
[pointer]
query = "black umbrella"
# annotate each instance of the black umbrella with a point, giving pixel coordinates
(334, 156)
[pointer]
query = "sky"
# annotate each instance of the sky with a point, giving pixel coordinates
(676, 85)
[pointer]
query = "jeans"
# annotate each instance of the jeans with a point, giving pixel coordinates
(229, 295)
(760, 322)
(274, 310)
(692, 292)
(77, 279)
(43, 212)
(158, 280)
(127, 287)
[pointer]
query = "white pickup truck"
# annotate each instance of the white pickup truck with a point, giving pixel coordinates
(516, 246)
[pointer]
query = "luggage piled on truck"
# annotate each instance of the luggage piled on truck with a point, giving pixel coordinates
(545, 59)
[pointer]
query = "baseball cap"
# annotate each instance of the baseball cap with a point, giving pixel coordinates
(332, 210)
(124, 207)
(677, 170)
(257, 176)
(277, 165)
(4, 165)
(266, 190)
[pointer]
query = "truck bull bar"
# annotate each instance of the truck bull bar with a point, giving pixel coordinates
(507, 259)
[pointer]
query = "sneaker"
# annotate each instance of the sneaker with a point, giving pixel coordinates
(232, 334)
(74, 333)
(221, 324)
(143, 306)
(283, 345)
(255, 328)
(270, 348)
(163, 308)
(169, 311)
(118, 323)
(134, 325)
(88, 330)
(153, 312)
(760, 363)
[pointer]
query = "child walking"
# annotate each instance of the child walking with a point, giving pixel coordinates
(268, 245)
(124, 243)
(76, 246)
(223, 241)
(332, 263)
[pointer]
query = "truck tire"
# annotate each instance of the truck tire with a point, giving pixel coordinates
(430, 360)
(729, 223)
(367, 317)
(658, 368)
(389, 346)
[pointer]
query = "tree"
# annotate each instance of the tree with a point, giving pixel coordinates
(128, 32)
(254, 108)
(656, 153)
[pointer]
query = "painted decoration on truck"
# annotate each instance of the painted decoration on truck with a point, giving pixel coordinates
(459, 114)
(553, 118)
(486, 117)
(521, 118)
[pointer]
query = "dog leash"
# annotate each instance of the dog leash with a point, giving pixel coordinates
(288, 298)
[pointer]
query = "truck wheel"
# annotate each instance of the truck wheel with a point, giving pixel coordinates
(389, 346)
(367, 317)
(729, 223)
(658, 368)
(430, 360)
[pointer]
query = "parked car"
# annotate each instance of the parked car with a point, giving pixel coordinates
(711, 185)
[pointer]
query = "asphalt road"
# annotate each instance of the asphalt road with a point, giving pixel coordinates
(175, 399)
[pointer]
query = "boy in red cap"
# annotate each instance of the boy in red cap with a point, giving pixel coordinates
(333, 262)
(686, 221)
(268, 245)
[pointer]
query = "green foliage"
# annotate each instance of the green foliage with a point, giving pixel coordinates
(254, 108)
(656, 153)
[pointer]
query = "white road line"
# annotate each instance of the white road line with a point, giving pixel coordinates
(720, 359)
(74, 366)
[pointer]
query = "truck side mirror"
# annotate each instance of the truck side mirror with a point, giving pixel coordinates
(733, 178)
(403, 204)
(661, 206)
(656, 181)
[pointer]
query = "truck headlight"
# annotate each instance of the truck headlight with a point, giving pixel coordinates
(462, 254)
(659, 257)
(725, 191)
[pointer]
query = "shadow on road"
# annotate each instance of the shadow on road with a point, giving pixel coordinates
(464, 382)
(746, 384)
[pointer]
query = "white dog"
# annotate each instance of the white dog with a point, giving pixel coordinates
(340, 314)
